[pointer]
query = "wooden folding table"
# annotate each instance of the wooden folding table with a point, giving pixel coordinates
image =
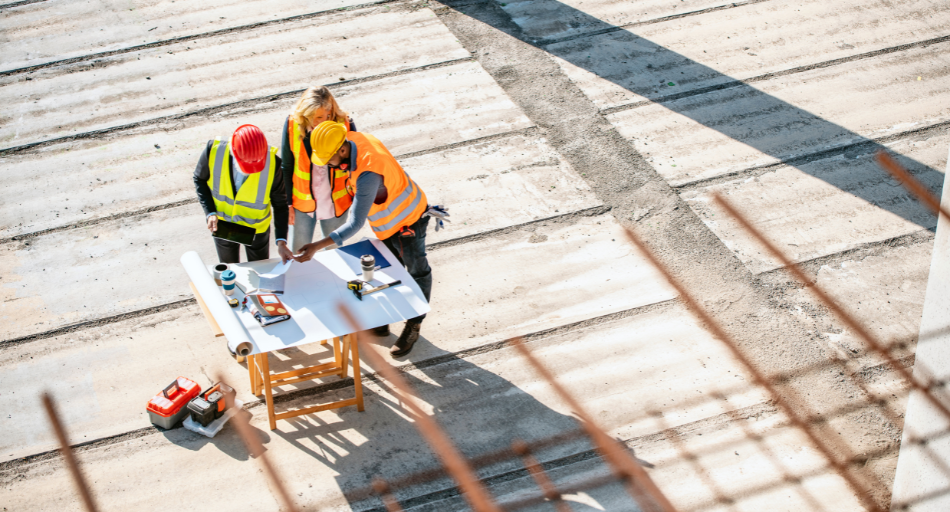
(313, 291)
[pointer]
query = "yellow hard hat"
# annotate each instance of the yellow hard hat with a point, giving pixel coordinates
(325, 141)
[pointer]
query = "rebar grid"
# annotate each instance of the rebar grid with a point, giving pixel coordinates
(625, 469)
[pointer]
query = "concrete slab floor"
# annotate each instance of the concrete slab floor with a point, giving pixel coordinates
(97, 286)
(825, 206)
(882, 286)
(36, 34)
(547, 19)
(484, 401)
(152, 166)
(751, 40)
(561, 265)
(189, 76)
(718, 133)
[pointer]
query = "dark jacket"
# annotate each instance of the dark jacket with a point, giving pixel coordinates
(288, 161)
(278, 197)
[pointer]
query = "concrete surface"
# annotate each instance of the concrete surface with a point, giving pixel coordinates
(132, 169)
(695, 52)
(921, 483)
(41, 33)
(825, 206)
(544, 156)
(142, 85)
(790, 116)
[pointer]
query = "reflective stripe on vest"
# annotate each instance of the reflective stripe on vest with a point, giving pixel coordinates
(302, 195)
(398, 204)
(256, 213)
(406, 202)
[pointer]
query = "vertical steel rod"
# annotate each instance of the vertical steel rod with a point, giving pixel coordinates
(910, 183)
(639, 484)
(67, 452)
(862, 492)
(849, 320)
(472, 489)
(389, 501)
(540, 476)
(256, 449)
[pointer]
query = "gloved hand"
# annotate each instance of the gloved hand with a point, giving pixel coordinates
(440, 213)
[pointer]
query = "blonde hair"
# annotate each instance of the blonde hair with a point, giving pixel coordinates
(313, 99)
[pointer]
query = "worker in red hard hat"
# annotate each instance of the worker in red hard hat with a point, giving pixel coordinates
(238, 180)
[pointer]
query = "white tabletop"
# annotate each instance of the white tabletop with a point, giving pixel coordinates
(312, 293)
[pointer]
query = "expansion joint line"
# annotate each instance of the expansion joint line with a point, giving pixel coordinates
(768, 76)
(182, 39)
(530, 131)
(866, 146)
(99, 322)
(216, 109)
(597, 210)
(331, 386)
(653, 21)
(20, 3)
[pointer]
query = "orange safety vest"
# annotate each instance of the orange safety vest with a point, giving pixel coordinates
(302, 198)
(405, 202)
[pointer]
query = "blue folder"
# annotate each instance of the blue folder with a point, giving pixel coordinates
(351, 255)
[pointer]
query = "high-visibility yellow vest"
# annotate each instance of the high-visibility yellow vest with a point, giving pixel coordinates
(302, 198)
(251, 207)
(405, 201)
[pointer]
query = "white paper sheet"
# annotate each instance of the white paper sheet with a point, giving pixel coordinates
(239, 341)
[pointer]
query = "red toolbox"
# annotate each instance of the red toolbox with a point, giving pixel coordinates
(169, 407)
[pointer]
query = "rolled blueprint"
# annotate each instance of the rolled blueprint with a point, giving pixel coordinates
(238, 339)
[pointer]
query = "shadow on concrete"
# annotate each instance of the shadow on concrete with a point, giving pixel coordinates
(480, 411)
(754, 119)
(227, 440)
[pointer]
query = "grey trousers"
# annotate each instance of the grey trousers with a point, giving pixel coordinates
(304, 226)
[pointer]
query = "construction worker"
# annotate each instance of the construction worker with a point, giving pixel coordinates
(237, 181)
(314, 192)
(384, 194)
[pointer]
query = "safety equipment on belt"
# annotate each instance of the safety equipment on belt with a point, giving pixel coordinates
(405, 201)
(250, 148)
(440, 214)
(325, 141)
(302, 198)
(251, 205)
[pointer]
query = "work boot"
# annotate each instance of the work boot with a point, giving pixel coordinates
(382, 331)
(410, 333)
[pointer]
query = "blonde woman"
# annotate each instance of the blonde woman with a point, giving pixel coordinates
(314, 192)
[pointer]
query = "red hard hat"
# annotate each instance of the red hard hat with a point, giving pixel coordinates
(249, 147)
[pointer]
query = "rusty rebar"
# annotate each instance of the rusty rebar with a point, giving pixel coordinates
(802, 423)
(638, 483)
(839, 311)
(548, 489)
(905, 178)
(256, 449)
(66, 450)
(385, 493)
(472, 489)
(787, 476)
(693, 459)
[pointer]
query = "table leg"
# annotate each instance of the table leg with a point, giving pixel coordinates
(268, 394)
(252, 373)
(357, 376)
(336, 350)
(347, 342)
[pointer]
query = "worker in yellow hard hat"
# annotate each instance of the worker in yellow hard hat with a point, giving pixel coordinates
(316, 194)
(388, 198)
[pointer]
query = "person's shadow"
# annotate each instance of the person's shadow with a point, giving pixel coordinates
(480, 411)
(653, 73)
